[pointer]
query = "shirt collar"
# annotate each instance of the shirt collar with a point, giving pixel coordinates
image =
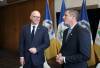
(34, 25)
(73, 26)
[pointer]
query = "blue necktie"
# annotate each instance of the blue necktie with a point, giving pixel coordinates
(69, 31)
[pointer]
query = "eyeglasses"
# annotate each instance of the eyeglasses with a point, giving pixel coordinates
(36, 16)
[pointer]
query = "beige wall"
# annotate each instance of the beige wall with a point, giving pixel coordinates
(75, 3)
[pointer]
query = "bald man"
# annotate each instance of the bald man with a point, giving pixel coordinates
(34, 39)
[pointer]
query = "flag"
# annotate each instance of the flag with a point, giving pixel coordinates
(47, 21)
(52, 50)
(61, 25)
(63, 8)
(97, 43)
(84, 22)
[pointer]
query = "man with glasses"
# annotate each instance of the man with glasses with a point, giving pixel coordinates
(76, 44)
(34, 39)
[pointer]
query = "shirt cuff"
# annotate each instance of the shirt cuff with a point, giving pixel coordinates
(64, 59)
(21, 57)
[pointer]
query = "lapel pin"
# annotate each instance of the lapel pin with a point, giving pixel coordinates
(71, 34)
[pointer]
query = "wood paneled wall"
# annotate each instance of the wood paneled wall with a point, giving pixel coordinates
(13, 17)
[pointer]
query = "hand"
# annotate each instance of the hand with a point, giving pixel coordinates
(22, 61)
(33, 50)
(60, 58)
(57, 57)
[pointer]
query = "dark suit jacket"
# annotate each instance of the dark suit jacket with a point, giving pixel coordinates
(40, 42)
(76, 48)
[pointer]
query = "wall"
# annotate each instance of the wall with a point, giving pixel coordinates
(74, 3)
(13, 17)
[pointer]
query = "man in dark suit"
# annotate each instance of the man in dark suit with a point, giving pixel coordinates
(34, 39)
(75, 50)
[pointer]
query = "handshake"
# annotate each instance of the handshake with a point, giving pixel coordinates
(60, 59)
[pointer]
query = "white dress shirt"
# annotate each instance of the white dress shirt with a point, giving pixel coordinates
(35, 27)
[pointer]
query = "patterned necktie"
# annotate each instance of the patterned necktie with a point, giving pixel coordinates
(32, 35)
(69, 31)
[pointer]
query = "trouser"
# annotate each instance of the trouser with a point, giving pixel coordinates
(30, 64)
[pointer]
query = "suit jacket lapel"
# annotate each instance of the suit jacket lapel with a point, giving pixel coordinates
(37, 30)
(72, 32)
(28, 31)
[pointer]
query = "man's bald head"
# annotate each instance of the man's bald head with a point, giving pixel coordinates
(35, 17)
(36, 13)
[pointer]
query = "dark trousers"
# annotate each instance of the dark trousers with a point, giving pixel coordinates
(29, 64)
